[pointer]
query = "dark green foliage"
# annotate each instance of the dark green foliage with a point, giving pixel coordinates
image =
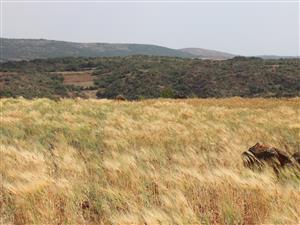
(167, 93)
(142, 77)
(34, 85)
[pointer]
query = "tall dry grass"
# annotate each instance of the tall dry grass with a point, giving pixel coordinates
(149, 162)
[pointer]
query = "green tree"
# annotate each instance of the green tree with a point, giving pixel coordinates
(167, 93)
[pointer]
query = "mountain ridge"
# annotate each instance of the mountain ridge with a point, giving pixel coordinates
(16, 49)
(27, 49)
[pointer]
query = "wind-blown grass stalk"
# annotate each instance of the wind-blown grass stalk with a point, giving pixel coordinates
(156, 161)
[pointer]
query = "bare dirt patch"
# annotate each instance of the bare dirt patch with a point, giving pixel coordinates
(78, 78)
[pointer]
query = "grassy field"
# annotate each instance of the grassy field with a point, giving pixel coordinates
(148, 162)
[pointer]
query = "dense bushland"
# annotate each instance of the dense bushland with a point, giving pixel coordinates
(140, 77)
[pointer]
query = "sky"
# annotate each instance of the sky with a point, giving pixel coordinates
(238, 27)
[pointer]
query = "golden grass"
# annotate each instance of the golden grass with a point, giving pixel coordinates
(149, 162)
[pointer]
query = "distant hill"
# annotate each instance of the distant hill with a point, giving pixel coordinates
(27, 49)
(207, 54)
(277, 57)
(140, 77)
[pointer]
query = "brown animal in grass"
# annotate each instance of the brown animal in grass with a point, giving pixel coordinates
(120, 98)
(259, 155)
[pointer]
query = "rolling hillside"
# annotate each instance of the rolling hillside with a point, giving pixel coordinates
(27, 49)
(207, 54)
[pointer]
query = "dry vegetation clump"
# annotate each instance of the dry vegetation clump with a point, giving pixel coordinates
(148, 162)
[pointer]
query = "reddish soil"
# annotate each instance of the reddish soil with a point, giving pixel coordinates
(81, 78)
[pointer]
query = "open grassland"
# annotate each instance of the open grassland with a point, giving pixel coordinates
(148, 162)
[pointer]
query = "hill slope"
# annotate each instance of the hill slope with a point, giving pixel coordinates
(207, 54)
(26, 49)
(138, 77)
(149, 162)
